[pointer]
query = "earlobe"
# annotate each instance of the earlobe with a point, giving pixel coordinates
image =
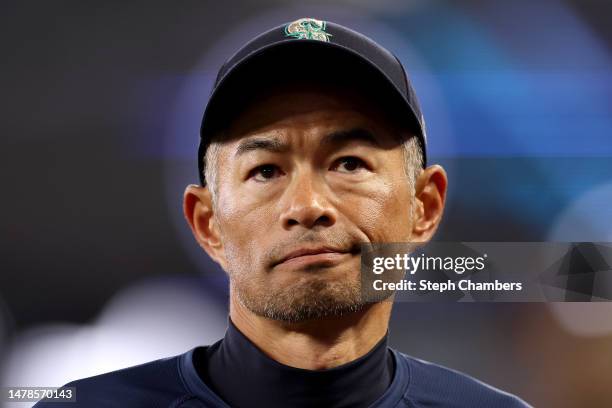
(199, 214)
(430, 199)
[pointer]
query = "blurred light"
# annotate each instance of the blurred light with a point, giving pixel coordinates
(586, 219)
(584, 319)
(149, 321)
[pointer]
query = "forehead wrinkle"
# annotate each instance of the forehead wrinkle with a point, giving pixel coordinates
(330, 139)
(270, 143)
(335, 126)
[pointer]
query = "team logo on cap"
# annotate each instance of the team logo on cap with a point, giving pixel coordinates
(307, 29)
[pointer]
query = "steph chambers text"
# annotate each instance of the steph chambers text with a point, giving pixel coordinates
(429, 286)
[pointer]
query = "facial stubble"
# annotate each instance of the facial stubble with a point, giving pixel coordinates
(312, 296)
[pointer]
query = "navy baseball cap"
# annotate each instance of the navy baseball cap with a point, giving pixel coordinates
(311, 48)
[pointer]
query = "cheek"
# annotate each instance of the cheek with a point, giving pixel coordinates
(381, 211)
(241, 226)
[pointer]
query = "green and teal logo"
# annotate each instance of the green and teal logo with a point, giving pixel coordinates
(307, 29)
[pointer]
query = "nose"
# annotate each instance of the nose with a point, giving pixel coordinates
(307, 204)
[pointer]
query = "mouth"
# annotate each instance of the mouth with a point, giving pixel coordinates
(326, 256)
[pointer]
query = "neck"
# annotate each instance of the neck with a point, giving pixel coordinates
(316, 344)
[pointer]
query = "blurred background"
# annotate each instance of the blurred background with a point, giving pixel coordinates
(101, 107)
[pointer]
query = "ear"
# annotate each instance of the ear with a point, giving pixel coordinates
(430, 197)
(199, 213)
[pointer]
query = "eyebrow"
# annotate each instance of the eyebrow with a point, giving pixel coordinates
(339, 137)
(273, 145)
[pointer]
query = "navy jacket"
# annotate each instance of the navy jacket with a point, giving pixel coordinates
(174, 383)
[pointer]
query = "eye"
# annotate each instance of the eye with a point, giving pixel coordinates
(265, 172)
(348, 164)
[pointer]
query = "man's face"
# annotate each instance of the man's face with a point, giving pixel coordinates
(305, 176)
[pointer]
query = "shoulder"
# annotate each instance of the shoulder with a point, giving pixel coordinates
(434, 385)
(156, 383)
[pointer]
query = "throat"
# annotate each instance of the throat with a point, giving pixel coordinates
(240, 373)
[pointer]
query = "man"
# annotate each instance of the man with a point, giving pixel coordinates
(312, 143)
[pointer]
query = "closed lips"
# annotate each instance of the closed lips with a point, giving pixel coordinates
(310, 251)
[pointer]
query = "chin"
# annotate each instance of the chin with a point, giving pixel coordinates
(311, 296)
